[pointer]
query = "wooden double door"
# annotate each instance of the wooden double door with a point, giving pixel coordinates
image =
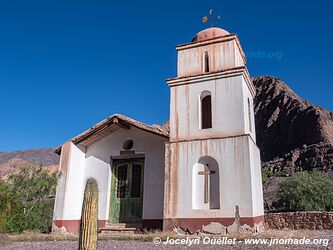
(127, 191)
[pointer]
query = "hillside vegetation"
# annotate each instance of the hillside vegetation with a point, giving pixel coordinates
(27, 200)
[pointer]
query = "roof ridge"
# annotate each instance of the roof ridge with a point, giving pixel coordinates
(111, 120)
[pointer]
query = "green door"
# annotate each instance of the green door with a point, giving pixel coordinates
(127, 191)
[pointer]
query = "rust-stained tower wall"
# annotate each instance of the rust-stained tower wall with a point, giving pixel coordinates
(212, 166)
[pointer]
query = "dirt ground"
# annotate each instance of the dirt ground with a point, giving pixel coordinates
(317, 240)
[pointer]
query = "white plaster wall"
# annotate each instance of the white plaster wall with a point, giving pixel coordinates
(222, 55)
(247, 94)
(72, 199)
(98, 165)
(238, 177)
(59, 199)
(99, 170)
(228, 117)
(61, 183)
(256, 178)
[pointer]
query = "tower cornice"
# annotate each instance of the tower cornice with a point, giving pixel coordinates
(239, 71)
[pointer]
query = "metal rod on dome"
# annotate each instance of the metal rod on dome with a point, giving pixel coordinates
(210, 18)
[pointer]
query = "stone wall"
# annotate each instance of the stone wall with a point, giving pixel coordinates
(300, 220)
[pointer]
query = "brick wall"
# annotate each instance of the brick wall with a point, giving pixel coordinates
(300, 220)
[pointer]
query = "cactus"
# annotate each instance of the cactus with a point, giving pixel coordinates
(89, 220)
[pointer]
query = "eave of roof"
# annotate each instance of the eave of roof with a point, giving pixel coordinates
(121, 121)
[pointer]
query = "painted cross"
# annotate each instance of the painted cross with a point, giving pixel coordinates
(206, 173)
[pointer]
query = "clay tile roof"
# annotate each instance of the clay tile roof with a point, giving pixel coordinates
(109, 125)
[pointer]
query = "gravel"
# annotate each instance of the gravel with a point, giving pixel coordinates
(125, 244)
(138, 245)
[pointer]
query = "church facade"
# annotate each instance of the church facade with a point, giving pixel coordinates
(203, 168)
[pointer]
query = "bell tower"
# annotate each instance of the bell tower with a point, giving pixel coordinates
(212, 166)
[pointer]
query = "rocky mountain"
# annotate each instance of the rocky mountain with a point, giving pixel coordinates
(41, 157)
(12, 161)
(292, 134)
(14, 165)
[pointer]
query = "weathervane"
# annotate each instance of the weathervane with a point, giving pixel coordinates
(211, 19)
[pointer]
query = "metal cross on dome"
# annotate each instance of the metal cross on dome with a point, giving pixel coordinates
(211, 19)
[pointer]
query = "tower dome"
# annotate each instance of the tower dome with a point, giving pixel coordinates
(209, 34)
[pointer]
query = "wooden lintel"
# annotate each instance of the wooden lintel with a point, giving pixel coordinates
(129, 156)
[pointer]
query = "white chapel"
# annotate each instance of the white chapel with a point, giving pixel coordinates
(202, 168)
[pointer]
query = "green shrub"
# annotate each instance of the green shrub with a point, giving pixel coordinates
(266, 175)
(306, 191)
(25, 202)
(5, 200)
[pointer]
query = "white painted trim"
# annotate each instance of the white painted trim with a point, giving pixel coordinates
(240, 71)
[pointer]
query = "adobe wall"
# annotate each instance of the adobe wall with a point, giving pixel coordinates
(300, 220)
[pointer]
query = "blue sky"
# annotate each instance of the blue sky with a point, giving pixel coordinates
(66, 65)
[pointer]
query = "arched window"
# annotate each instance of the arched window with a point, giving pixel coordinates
(206, 62)
(206, 184)
(206, 110)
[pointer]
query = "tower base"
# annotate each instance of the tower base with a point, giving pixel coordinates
(230, 225)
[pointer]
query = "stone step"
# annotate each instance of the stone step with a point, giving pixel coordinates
(116, 233)
(107, 231)
(123, 225)
(115, 228)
